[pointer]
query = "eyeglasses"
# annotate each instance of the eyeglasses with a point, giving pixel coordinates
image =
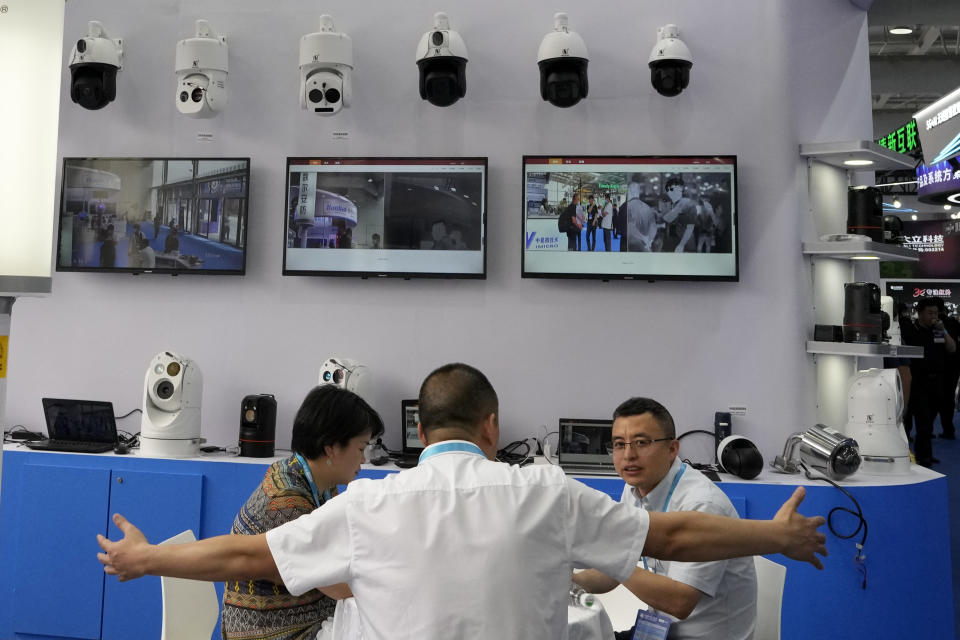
(638, 444)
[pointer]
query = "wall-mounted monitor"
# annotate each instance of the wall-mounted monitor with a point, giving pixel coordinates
(154, 215)
(383, 217)
(630, 217)
(938, 244)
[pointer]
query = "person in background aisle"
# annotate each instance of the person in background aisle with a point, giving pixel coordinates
(927, 374)
(705, 600)
(330, 431)
(951, 375)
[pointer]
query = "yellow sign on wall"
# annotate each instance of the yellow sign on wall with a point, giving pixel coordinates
(3, 356)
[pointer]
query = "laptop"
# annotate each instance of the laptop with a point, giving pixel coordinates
(80, 426)
(412, 447)
(583, 447)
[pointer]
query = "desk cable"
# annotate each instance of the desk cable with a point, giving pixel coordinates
(860, 559)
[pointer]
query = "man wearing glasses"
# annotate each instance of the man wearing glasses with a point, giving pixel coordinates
(704, 599)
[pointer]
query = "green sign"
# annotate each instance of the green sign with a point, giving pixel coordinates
(903, 140)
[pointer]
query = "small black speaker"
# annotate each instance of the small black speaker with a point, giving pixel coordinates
(892, 229)
(721, 427)
(861, 313)
(258, 425)
(865, 212)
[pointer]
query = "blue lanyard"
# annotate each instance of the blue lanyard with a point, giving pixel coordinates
(445, 447)
(666, 502)
(313, 485)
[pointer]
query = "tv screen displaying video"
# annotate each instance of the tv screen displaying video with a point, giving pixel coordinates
(937, 242)
(383, 217)
(630, 217)
(154, 215)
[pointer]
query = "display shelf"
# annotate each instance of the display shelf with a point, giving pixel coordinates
(864, 350)
(859, 249)
(836, 153)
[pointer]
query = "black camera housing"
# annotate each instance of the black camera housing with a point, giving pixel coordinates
(93, 85)
(563, 81)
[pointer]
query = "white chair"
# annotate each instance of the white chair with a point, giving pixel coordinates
(190, 607)
(770, 579)
(622, 606)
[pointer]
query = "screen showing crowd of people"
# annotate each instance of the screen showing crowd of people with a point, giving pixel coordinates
(465, 546)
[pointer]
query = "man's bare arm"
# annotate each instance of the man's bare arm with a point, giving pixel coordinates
(213, 559)
(594, 581)
(663, 593)
(699, 537)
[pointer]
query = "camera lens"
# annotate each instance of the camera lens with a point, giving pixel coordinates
(315, 95)
(338, 376)
(437, 38)
(184, 96)
(326, 376)
(332, 95)
(197, 94)
(164, 389)
(81, 46)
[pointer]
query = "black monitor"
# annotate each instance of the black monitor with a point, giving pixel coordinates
(386, 217)
(154, 215)
(630, 217)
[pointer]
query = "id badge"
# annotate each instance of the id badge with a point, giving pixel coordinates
(650, 626)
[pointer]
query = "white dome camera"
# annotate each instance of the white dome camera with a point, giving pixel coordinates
(562, 58)
(670, 62)
(172, 391)
(201, 68)
(442, 61)
(346, 374)
(739, 456)
(326, 61)
(94, 63)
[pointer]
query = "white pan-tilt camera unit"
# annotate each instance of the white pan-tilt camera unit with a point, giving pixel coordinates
(94, 63)
(442, 61)
(170, 426)
(346, 374)
(670, 62)
(326, 62)
(201, 68)
(562, 58)
(875, 421)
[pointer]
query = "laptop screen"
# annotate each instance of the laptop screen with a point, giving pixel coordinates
(409, 422)
(584, 442)
(81, 420)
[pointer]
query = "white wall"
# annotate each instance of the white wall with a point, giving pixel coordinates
(767, 75)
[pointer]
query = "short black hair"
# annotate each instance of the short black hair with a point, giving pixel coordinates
(673, 181)
(332, 416)
(640, 406)
(456, 396)
(927, 301)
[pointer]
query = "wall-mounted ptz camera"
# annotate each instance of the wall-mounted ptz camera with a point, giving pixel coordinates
(172, 391)
(562, 59)
(326, 62)
(94, 63)
(201, 68)
(442, 61)
(670, 62)
(346, 374)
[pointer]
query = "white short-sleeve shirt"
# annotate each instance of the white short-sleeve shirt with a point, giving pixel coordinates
(460, 547)
(728, 607)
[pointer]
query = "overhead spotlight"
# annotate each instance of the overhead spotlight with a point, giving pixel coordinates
(901, 30)
(913, 217)
(896, 203)
(947, 207)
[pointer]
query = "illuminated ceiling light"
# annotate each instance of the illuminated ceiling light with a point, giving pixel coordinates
(913, 217)
(947, 207)
(865, 257)
(901, 30)
(854, 162)
(896, 203)
(955, 198)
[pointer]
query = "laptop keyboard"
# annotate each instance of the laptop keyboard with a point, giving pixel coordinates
(74, 446)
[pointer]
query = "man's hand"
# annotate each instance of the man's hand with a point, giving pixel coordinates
(802, 540)
(125, 558)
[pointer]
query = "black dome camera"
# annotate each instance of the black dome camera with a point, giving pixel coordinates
(94, 63)
(442, 61)
(563, 59)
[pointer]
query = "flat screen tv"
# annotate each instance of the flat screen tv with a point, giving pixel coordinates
(630, 217)
(154, 215)
(386, 217)
(938, 244)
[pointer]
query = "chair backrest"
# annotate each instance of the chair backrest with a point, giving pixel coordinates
(190, 607)
(770, 579)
